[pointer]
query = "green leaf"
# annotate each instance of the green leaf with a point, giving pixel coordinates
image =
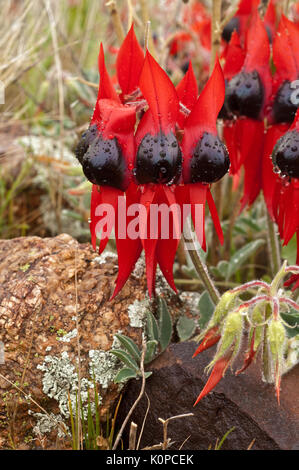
(151, 347)
(165, 324)
(242, 255)
(222, 267)
(152, 327)
(292, 319)
(125, 374)
(206, 309)
(125, 358)
(185, 327)
(289, 252)
(130, 346)
(147, 374)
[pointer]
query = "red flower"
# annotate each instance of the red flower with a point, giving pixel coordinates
(247, 96)
(280, 182)
(135, 173)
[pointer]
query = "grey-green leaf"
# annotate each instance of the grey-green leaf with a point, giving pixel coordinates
(206, 309)
(125, 374)
(151, 347)
(152, 327)
(185, 327)
(165, 324)
(130, 346)
(125, 358)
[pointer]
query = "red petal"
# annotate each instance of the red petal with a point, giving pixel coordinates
(235, 57)
(269, 177)
(106, 89)
(160, 94)
(212, 337)
(205, 112)
(96, 199)
(198, 195)
(285, 53)
(251, 148)
(187, 91)
(215, 218)
(129, 63)
(128, 249)
(215, 377)
(258, 53)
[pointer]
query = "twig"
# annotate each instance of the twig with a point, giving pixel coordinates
(132, 436)
(119, 435)
(229, 14)
(216, 31)
(116, 20)
(165, 423)
(144, 420)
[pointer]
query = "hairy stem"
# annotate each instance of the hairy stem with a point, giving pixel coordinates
(274, 251)
(200, 267)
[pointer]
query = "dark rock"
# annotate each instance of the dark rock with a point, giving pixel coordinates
(243, 402)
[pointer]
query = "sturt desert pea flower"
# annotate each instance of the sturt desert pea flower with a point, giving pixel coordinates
(285, 158)
(283, 107)
(280, 175)
(206, 158)
(145, 169)
(247, 97)
(106, 149)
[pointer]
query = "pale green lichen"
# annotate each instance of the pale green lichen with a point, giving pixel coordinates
(68, 336)
(60, 381)
(47, 422)
(137, 312)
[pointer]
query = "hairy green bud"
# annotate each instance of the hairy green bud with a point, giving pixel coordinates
(276, 338)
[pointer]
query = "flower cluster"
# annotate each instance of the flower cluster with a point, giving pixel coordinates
(260, 122)
(170, 158)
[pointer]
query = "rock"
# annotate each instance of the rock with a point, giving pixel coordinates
(38, 330)
(243, 402)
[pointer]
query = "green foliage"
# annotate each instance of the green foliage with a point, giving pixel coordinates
(206, 309)
(185, 327)
(158, 335)
(226, 269)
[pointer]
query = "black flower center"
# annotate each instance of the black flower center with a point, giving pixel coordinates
(210, 160)
(158, 160)
(285, 155)
(102, 160)
(285, 104)
(245, 94)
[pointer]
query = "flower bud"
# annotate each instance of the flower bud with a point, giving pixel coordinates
(276, 338)
(226, 303)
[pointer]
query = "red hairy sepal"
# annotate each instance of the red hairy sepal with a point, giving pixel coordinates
(211, 338)
(216, 375)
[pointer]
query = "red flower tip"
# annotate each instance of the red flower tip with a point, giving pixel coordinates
(129, 63)
(216, 375)
(187, 91)
(211, 337)
(235, 56)
(160, 94)
(106, 88)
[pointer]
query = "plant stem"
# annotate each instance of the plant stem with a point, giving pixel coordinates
(216, 31)
(274, 251)
(200, 267)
